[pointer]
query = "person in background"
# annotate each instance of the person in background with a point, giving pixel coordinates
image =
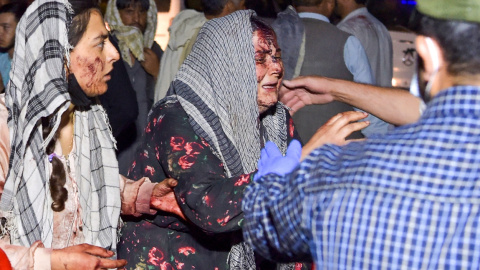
(62, 199)
(4, 2)
(373, 36)
(10, 14)
(406, 199)
(133, 24)
(183, 33)
(301, 30)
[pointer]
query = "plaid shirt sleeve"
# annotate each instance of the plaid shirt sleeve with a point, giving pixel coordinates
(362, 207)
(274, 209)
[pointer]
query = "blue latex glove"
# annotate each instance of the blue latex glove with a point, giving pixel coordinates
(272, 161)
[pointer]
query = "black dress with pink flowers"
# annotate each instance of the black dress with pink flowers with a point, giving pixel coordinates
(210, 201)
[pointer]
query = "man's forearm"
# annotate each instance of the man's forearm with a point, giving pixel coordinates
(395, 106)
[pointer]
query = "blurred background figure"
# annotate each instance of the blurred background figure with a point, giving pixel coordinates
(183, 33)
(373, 36)
(301, 34)
(133, 24)
(3, 2)
(10, 14)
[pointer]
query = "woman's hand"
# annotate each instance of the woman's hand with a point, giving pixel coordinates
(84, 257)
(163, 197)
(335, 131)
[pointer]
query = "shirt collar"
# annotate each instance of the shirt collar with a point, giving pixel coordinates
(356, 12)
(454, 101)
(311, 15)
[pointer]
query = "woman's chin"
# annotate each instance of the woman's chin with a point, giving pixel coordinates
(96, 90)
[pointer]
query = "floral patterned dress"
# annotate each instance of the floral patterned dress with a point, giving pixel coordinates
(210, 200)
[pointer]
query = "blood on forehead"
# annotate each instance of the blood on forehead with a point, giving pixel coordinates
(265, 33)
(266, 38)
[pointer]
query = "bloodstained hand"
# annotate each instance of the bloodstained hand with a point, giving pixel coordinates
(163, 197)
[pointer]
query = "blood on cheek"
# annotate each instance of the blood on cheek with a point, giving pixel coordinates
(261, 71)
(90, 72)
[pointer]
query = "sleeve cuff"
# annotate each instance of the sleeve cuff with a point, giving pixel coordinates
(144, 197)
(42, 258)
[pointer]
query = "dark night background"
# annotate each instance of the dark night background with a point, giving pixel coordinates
(393, 13)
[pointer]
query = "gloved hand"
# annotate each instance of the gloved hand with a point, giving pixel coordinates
(272, 161)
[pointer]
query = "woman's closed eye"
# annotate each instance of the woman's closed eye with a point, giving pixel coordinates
(260, 57)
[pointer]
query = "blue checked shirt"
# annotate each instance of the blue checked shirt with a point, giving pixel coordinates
(405, 200)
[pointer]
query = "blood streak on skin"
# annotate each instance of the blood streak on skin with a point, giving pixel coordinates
(93, 68)
(266, 39)
(90, 70)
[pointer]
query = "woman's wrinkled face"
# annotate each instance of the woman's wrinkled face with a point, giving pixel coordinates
(91, 61)
(269, 68)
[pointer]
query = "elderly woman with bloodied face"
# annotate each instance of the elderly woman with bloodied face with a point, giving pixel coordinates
(62, 199)
(207, 133)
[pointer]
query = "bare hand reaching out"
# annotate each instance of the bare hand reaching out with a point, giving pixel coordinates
(84, 257)
(336, 130)
(303, 91)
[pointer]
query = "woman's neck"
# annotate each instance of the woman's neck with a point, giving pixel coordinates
(65, 130)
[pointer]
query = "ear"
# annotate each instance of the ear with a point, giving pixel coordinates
(431, 54)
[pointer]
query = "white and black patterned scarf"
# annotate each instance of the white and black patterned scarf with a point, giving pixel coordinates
(217, 88)
(38, 88)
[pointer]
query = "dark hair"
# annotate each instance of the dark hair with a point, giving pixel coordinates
(459, 41)
(17, 8)
(213, 7)
(77, 27)
(361, 2)
(81, 16)
(306, 3)
(265, 9)
(58, 177)
(123, 4)
(258, 24)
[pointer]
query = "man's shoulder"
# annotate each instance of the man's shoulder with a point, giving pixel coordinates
(4, 57)
(362, 22)
(321, 26)
(187, 18)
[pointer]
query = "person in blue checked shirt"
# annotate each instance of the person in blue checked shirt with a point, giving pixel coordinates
(409, 199)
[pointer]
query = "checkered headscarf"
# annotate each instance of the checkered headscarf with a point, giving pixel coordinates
(217, 87)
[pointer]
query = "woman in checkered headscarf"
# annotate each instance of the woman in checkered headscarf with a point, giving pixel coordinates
(63, 195)
(207, 133)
